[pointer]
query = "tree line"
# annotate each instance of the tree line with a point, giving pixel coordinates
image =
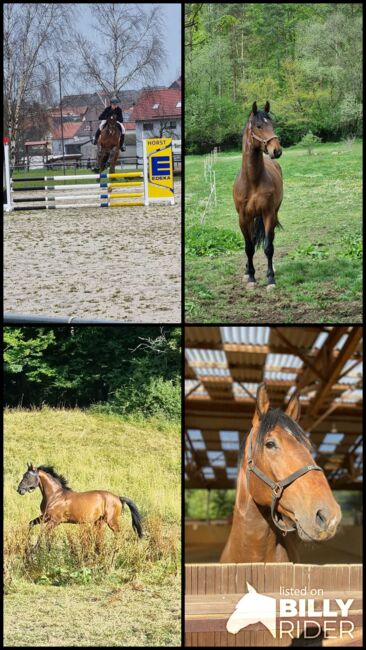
(306, 59)
(122, 369)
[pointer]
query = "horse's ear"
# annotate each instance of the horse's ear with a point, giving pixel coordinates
(254, 108)
(29, 465)
(293, 409)
(267, 107)
(262, 404)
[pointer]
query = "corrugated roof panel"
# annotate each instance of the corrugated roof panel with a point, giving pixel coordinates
(280, 376)
(216, 458)
(229, 440)
(283, 360)
(198, 444)
(341, 342)
(208, 472)
(190, 383)
(196, 354)
(213, 372)
(320, 340)
(195, 434)
(255, 335)
(239, 391)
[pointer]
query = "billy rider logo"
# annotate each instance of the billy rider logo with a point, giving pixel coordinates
(294, 616)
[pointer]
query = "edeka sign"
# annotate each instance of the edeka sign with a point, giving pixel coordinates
(159, 171)
(295, 617)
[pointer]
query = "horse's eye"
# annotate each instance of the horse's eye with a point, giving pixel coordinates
(270, 444)
(259, 126)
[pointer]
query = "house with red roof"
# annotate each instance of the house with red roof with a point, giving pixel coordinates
(158, 114)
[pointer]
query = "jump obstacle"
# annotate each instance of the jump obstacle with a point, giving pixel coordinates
(154, 184)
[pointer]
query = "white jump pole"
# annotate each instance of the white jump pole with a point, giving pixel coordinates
(7, 205)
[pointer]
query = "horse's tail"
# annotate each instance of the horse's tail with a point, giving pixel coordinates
(259, 232)
(136, 517)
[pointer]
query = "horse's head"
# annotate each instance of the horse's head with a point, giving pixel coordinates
(29, 481)
(282, 474)
(262, 134)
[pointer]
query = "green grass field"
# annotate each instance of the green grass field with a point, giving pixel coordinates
(318, 258)
(126, 592)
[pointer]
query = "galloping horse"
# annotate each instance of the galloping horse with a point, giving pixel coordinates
(60, 504)
(108, 145)
(258, 190)
(267, 506)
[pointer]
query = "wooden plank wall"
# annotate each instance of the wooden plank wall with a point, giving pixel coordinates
(206, 614)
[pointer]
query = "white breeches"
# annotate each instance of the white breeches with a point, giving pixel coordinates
(120, 123)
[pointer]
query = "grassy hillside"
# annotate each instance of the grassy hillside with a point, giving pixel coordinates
(317, 256)
(89, 591)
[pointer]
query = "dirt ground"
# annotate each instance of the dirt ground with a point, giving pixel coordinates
(121, 263)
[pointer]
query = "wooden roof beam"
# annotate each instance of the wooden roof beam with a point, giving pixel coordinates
(348, 349)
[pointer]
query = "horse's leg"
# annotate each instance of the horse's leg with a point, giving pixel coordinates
(268, 221)
(249, 275)
(99, 525)
(36, 521)
(114, 156)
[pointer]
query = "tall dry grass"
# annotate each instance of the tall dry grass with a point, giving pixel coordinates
(93, 451)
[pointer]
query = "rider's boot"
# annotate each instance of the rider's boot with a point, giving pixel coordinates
(121, 145)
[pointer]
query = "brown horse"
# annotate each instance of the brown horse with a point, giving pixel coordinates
(60, 504)
(108, 145)
(268, 506)
(258, 190)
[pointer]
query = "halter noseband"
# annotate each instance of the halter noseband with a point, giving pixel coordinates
(277, 486)
(262, 140)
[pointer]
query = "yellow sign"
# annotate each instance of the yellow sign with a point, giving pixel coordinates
(158, 172)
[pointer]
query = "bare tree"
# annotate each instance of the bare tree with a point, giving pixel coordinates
(133, 49)
(35, 38)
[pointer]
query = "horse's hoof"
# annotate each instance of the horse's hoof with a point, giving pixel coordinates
(270, 287)
(246, 277)
(251, 286)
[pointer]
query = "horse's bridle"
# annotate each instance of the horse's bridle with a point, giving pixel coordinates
(277, 486)
(262, 140)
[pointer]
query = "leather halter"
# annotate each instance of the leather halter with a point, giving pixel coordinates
(262, 140)
(277, 486)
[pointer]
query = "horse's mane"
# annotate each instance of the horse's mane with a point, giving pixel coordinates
(49, 469)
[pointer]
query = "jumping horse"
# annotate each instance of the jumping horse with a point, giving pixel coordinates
(279, 490)
(258, 190)
(108, 145)
(60, 504)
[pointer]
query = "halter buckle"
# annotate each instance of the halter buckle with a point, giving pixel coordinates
(277, 491)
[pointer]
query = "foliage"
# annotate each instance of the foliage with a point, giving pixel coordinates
(211, 241)
(135, 369)
(308, 141)
(311, 72)
(212, 504)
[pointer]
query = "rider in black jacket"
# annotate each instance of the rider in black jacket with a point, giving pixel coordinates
(113, 108)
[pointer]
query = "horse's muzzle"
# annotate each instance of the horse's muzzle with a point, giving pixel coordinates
(277, 153)
(21, 491)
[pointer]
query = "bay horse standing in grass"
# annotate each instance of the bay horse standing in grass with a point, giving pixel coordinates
(279, 490)
(60, 504)
(258, 190)
(108, 145)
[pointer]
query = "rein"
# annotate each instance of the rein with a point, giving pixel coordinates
(277, 486)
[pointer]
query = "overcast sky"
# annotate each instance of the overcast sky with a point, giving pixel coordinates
(172, 14)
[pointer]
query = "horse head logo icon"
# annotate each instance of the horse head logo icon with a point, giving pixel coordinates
(253, 608)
